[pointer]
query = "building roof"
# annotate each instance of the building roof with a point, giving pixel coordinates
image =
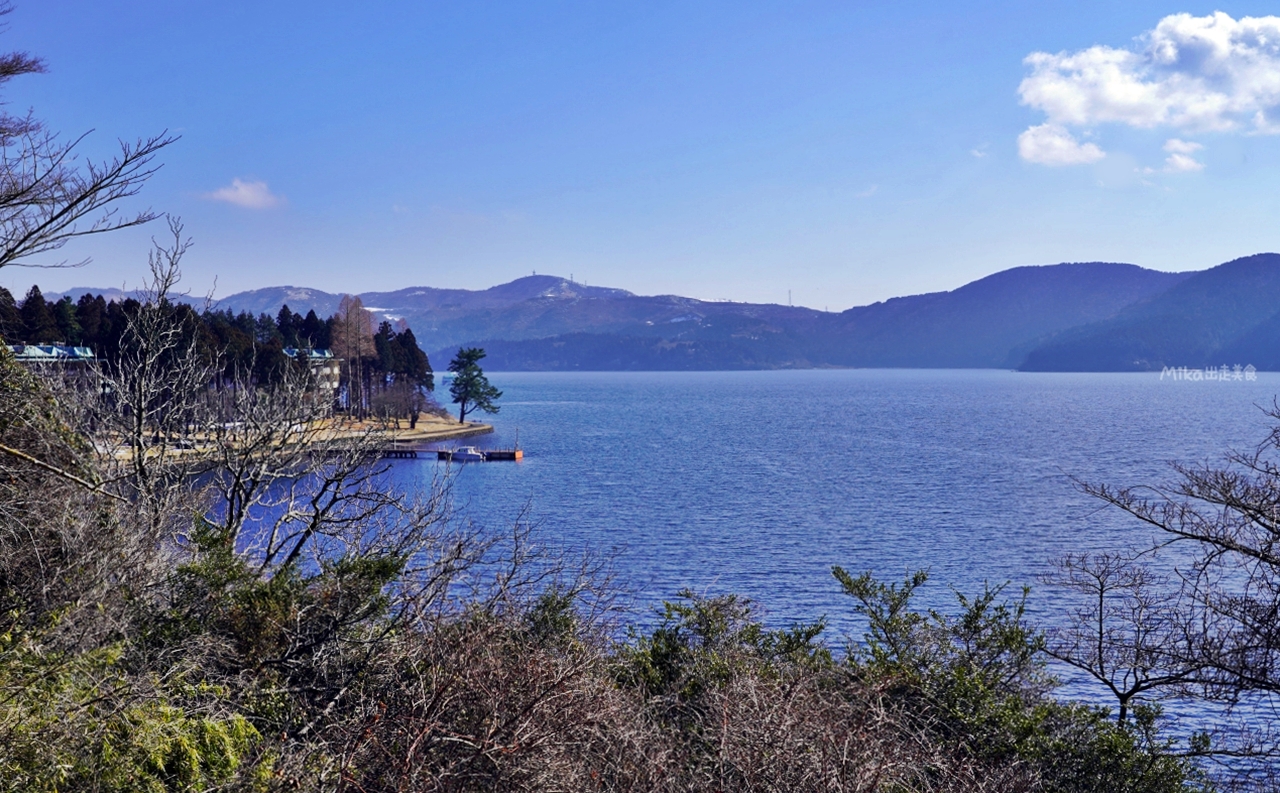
(52, 353)
(312, 355)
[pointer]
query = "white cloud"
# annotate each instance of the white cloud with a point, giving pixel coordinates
(1263, 125)
(870, 191)
(1180, 159)
(1050, 144)
(1181, 163)
(1175, 146)
(1197, 74)
(250, 195)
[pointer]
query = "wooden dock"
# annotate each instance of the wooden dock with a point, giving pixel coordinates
(490, 455)
(402, 452)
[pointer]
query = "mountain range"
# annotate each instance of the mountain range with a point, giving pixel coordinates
(1094, 316)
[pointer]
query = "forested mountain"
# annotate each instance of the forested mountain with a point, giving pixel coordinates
(1067, 317)
(988, 322)
(532, 307)
(1224, 315)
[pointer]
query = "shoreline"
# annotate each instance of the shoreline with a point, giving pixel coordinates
(432, 429)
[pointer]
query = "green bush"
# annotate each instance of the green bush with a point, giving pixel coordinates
(978, 680)
(81, 721)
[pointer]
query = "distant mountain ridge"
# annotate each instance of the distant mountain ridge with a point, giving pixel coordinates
(1089, 316)
(1224, 315)
(986, 323)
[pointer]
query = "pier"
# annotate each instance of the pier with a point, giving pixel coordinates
(416, 452)
(490, 455)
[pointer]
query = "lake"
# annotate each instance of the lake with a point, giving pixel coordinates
(759, 482)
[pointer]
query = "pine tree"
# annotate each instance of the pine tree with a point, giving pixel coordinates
(314, 332)
(288, 324)
(470, 389)
(10, 318)
(69, 330)
(416, 365)
(91, 316)
(38, 323)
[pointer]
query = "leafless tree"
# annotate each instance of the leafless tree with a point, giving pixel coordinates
(145, 402)
(353, 342)
(1208, 626)
(400, 400)
(48, 195)
(1131, 632)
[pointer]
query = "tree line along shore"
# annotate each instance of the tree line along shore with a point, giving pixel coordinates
(384, 371)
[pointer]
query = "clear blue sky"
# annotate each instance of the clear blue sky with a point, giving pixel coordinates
(848, 152)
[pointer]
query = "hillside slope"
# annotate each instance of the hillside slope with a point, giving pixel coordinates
(1222, 315)
(987, 322)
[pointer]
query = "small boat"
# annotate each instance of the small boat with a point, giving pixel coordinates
(467, 454)
(470, 454)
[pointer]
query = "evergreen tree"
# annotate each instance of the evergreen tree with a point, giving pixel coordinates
(229, 342)
(115, 323)
(10, 318)
(390, 357)
(246, 323)
(270, 362)
(288, 323)
(69, 330)
(416, 365)
(470, 389)
(314, 332)
(265, 329)
(38, 323)
(91, 316)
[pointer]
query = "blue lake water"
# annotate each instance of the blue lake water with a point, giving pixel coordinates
(759, 482)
